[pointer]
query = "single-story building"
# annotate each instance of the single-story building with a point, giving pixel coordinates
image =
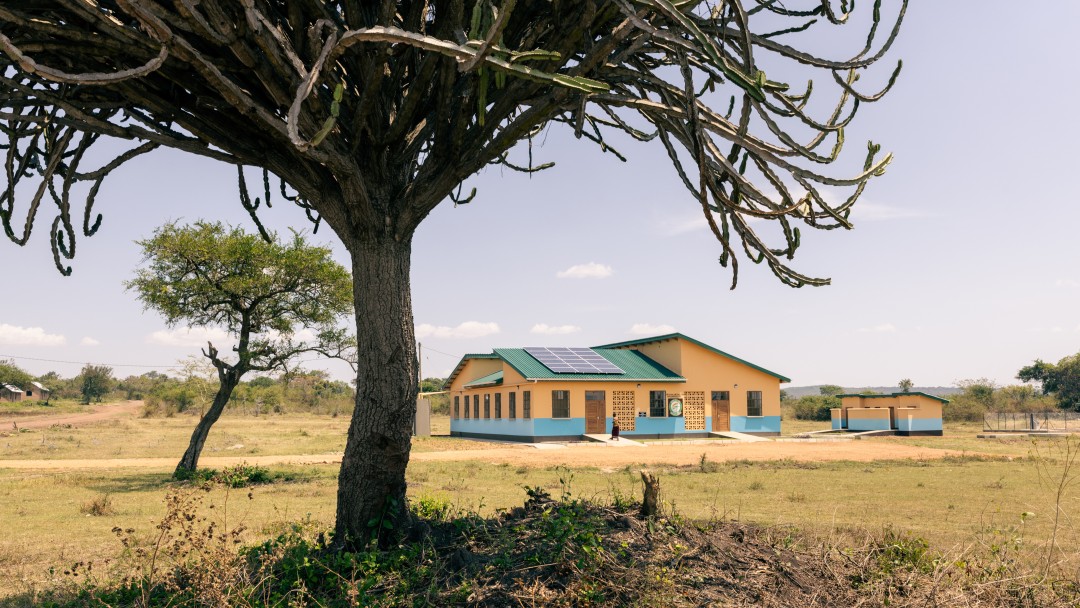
(10, 392)
(913, 413)
(37, 391)
(661, 387)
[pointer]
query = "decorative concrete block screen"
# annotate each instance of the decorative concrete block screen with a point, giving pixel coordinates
(622, 407)
(694, 410)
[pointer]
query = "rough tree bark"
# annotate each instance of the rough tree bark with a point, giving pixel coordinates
(190, 461)
(650, 501)
(371, 487)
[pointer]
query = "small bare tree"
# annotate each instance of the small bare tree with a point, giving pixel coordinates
(369, 114)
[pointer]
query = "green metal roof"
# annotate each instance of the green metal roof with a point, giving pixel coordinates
(895, 395)
(488, 380)
(636, 367)
(691, 340)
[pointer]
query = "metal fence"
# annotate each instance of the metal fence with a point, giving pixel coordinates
(1032, 421)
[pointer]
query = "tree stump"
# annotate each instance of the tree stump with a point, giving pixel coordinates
(650, 502)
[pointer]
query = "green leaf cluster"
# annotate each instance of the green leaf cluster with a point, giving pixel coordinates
(1061, 380)
(262, 292)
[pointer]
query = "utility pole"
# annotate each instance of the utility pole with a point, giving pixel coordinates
(420, 365)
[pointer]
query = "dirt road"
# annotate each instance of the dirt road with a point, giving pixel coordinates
(600, 456)
(99, 413)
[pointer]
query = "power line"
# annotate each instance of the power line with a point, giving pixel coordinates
(428, 348)
(171, 366)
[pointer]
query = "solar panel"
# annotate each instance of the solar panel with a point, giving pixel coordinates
(565, 360)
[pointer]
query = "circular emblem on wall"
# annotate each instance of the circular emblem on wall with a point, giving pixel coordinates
(674, 407)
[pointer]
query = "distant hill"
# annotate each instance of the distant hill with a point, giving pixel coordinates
(802, 391)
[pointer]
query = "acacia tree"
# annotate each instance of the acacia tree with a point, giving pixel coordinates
(370, 114)
(262, 292)
(95, 381)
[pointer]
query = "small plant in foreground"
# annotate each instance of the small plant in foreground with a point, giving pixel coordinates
(98, 506)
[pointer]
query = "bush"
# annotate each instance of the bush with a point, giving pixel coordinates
(814, 407)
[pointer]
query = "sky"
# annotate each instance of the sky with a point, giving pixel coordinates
(963, 262)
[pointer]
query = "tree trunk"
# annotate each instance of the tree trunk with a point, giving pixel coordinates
(371, 486)
(650, 501)
(190, 460)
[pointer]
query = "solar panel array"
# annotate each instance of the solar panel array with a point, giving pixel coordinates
(563, 360)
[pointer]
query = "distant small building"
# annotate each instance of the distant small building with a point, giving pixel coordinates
(913, 413)
(10, 392)
(38, 392)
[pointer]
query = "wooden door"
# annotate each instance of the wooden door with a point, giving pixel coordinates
(721, 411)
(595, 412)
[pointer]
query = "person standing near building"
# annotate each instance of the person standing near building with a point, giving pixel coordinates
(614, 428)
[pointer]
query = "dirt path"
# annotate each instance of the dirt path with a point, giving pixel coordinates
(600, 456)
(99, 413)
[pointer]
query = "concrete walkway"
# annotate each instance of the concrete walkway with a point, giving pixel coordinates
(736, 435)
(619, 443)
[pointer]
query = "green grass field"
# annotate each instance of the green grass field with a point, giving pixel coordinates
(52, 519)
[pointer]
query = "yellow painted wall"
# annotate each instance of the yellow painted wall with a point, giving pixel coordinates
(473, 369)
(919, 406)
(667, 353)
(708, 371)
(868, 413)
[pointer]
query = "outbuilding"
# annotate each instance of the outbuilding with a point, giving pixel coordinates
(661, 387)
(914, 413)
(38, 392)
(10, 392)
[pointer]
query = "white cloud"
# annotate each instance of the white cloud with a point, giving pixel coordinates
(1066, 283)
(592, 270)
(676, 227)
(554, 330)
(468, 329)
(187, 336)
(88, 341)
(29, 336)
(648, 329)
(883, 328)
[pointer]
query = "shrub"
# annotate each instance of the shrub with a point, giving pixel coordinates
(814, 407)
(98, 506)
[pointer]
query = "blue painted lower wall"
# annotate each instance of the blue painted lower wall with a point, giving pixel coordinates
(528, 429)
(755, 424)
(868, 424)
(918, 424)
(659, 426)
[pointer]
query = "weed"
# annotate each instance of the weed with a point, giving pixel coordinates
(98, 506)
(796, 497)
(756, 485)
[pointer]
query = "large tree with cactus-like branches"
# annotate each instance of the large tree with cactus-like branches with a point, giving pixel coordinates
(369, 114)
